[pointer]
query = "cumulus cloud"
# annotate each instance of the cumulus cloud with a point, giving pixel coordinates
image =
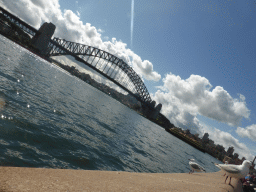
(70, 27)
(183, 100)
(101, 31)
(249, 131)
(146, 68)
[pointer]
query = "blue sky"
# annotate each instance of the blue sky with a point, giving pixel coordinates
(197, 58)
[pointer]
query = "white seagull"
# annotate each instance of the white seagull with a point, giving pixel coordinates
(195, 167)
(236, 171)
(226, 162)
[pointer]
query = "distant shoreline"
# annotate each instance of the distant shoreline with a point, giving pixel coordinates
(186, 141)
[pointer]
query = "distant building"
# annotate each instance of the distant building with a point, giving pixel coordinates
(230, 151)
(228, 159)
(211, 143)
(187, 132)
(220, 148)
(155, 112)
(205, 137)
(236, 156)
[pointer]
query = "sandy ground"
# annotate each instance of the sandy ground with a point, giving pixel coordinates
(42, 179)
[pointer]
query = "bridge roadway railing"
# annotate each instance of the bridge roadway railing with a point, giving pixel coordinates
(128, 80)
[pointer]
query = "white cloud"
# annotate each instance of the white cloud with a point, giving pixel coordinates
(146, 68)
(101, 31)
(249, 131)
(227, 140)
(70, 27)
(183, 100)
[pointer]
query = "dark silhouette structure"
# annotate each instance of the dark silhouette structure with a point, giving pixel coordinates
(43, 37)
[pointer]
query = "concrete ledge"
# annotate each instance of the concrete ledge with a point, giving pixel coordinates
(42, 179)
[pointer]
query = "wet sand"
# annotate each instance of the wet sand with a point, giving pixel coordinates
(42, 180)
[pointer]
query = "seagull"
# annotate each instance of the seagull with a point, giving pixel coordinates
(226, 162)
(236, 171)
(195, 167)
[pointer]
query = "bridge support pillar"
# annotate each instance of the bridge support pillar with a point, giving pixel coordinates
(151, 111)
(43, 37)
(156, 111)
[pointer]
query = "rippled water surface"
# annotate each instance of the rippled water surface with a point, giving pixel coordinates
(52, 119)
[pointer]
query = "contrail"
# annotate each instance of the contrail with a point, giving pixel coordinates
(132, 12)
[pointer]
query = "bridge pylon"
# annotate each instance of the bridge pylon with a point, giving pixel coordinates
(43, 37)
(150, 111)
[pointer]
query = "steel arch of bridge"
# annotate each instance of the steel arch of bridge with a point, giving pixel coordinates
(58, 47)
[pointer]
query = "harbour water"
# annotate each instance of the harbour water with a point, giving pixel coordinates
(51, 119)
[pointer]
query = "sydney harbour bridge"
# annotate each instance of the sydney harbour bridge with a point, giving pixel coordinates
(104, 63)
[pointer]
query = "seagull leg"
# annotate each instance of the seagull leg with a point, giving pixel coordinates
(226, 179)
(229, 181)
(224, 174)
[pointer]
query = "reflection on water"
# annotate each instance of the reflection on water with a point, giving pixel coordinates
(2, 103)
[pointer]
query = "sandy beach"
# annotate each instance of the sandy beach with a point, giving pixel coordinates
(42, 180)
